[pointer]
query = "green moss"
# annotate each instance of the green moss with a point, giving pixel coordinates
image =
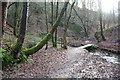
(39, 45)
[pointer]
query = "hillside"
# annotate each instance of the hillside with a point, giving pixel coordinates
(59, 40)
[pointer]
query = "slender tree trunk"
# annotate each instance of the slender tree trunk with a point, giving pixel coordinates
(101, 23)
(84, 18)
(52, 19)
(65, 31)
(56, 29)
(85, 30)
(4, 15)
(46, 23)
(101, 28)
(118, 23)
(1, 24)
(70, 13)
(40, 44)
(28, 6)
(119, 13)
(16, 20)
(16, 49)
(66, 26)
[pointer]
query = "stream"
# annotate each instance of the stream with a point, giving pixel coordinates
(108, 56)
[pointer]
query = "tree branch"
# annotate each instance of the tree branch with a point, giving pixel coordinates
(11, 5)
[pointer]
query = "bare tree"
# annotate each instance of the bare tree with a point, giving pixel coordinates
(85, 30)
(119, 13)
(84, 17)
(56, 29)
(52, 20)
(16, 20)
(113, 16)
(65, 31)
(46, 23)
(66, 24)
(101, 22)
(119, 21)
(0, 23)
(16, 49)
(4, 15)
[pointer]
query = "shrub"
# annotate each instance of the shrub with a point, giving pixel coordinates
(7, 58)
(1, 53)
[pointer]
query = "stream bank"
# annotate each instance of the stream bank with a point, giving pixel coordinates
(112, 56)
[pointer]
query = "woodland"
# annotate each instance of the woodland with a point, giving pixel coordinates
(53, 39)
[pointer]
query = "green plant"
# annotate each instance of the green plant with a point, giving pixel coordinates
(1, 53)
(6, 57)
(21, 58)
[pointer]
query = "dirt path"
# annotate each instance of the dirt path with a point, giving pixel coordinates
(59, 63)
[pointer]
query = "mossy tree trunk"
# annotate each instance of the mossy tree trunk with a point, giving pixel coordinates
(17, 47)
(40, 44)
(66, 26)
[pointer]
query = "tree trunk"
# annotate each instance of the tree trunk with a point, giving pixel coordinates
(66, 26)
(119, 13)
(56, 29)
(4, 15)
(46, 23)
(84, 17)
(52, 19)
(118, 22)
(17, 47)
(85, 30)
(28, 7)
(101, 25)
(40, 44)
(1, 24)
(101, 28)
(16, 20)
(65, 32)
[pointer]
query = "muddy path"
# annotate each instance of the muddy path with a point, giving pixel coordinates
(59, 63)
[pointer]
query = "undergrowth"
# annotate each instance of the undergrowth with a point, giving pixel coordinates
(7, 58)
